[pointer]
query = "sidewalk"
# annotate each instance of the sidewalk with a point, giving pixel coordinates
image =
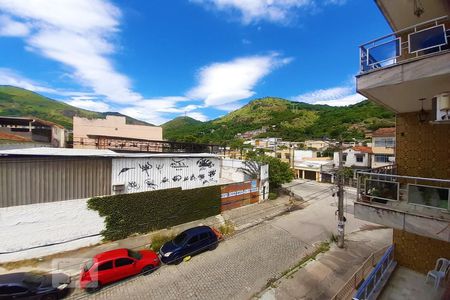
(323, 277)
(70, 262)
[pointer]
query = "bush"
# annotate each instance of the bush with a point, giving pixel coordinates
(144, 212)
(273, 196)
(227, 228)
(160, 239)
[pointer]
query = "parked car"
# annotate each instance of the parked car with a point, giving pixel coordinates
(34, 286)
(189, 243)
(114, 265)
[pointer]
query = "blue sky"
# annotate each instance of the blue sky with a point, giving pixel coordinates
(155, 60)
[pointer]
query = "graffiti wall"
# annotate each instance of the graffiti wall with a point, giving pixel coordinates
(155, 173)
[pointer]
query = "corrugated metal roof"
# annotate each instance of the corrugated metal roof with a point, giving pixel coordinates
(45, 151)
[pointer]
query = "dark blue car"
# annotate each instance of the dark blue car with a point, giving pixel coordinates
(189, 243)
(34, 286)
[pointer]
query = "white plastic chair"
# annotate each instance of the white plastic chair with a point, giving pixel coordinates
(439, 272)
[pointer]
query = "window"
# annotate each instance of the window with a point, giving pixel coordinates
(88, 265)
(134, 254)
(359, 158)
(344, 157)
(193, 240)
(105, 266)
(204, 236)
(179, 240)
(286, 155)
(12, 289)
(121, 262)
(384, 142)
(382, 158)
(279, 155)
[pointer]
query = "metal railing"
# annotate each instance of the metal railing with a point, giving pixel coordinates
(349, 288)
(414, 42)
(381, 186)
(374, 283)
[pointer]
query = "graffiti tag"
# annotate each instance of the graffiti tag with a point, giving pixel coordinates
(124, 170)
(146, 167)
(212, 173)
(178, 164)
(151, 184)
(204, 163)
(176, 178)
(132, 185)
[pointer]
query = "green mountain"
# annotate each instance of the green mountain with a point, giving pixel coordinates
(18, 102)
(292, 121)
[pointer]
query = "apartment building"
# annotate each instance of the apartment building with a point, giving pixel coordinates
(383, 147)
(408, 71)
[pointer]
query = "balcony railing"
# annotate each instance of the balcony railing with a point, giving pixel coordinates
(373, 285)
(415, 195)
(418, 41)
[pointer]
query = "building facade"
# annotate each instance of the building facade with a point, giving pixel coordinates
(357, 158)
(44, 189)
(90, 133)
(383, 147)
(408, 72)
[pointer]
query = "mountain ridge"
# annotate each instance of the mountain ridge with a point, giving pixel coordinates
(19, 102)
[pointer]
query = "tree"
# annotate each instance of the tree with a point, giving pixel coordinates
(279, 172)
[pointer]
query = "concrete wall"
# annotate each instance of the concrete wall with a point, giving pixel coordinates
(111, 126)
(423, 150)
(417, 252)
(147, 174)
(69, 223)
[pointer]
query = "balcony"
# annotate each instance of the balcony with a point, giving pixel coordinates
(414, 204)
(398, 69)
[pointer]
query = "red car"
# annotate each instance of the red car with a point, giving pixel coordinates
(114, 265)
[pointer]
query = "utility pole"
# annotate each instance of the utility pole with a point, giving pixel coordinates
(341, 219)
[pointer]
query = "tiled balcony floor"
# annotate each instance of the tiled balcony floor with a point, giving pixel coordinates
(407, 284)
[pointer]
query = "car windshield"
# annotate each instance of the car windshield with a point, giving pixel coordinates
(179, 239)
(33, 279)
(134, 254)
(88, 265)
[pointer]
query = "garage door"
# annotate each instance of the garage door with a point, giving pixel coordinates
(311, 175)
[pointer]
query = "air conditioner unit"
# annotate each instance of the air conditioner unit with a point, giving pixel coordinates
(118, 187)
(441, 108)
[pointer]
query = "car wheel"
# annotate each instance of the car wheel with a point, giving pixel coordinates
(49, 297)
(93, 287)
(147, 270)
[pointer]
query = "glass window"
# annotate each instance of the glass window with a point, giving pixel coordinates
(121, 262)
(12, 289)
(105, 266)
(134, 254)
(193, 240)
(359, 158)
(383, 52)
(88, 265)
(179, 240)
(428, 38)
(204, 236)
(344, 157)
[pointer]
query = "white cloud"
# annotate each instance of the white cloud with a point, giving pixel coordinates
(336, 96)
(275, 11)
(278, 11)
(9, 77)
(10, 27)
(78, 34)
(198, 116)
(222, 83)
(89, 103)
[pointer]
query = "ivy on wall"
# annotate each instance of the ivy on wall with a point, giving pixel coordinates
(126, 214)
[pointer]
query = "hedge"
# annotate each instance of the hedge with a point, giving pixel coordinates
(127, 214)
